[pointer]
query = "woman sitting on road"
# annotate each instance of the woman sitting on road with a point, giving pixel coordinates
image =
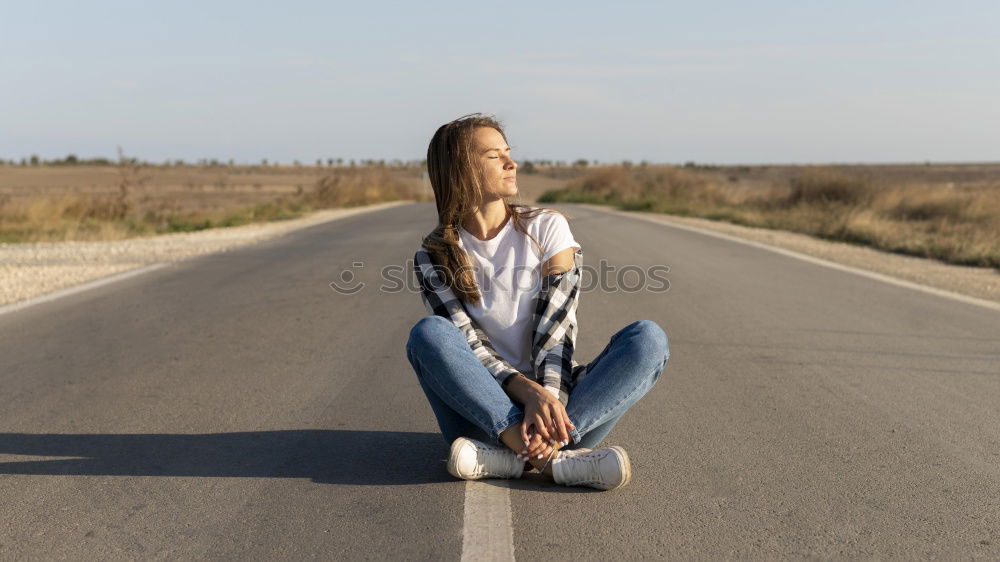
(495, 358)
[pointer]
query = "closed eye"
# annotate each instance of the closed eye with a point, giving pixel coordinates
(496, 150)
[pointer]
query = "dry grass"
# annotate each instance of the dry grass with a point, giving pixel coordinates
(914, 210)
(116, 202)
(948, 212)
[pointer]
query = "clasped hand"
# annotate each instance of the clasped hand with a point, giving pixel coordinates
(546, 425)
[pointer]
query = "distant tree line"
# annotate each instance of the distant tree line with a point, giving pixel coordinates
(527, 166)
(69, 160)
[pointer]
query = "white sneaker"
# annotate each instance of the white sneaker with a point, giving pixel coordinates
(604, 469)
(471, 460)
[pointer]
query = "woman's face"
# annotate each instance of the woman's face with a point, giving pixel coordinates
(499, 171)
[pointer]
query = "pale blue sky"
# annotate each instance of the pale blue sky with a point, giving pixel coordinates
(735, 82)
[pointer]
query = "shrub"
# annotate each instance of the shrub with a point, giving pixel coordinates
(824, 186)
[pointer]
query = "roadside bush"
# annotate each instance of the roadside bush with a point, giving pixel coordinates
(353, 187)
(823, 186)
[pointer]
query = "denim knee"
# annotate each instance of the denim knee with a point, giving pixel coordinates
(427, 331)
(651, 340)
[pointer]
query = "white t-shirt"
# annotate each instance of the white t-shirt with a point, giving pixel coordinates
(508, 271)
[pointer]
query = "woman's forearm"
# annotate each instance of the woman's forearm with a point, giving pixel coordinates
(521, 389)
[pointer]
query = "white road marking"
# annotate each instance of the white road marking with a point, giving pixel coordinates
(80, 288)
(818, 261)
(487, 533)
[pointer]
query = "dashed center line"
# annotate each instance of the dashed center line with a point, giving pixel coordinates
(487, 532)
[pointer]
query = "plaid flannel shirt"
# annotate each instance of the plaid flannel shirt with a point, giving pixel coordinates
(554, 320)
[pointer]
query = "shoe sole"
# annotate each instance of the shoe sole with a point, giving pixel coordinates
(626, 467)
(452, 454)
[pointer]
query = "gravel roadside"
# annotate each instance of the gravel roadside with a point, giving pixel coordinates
(979, 282)
(35, 269)
(31, 270)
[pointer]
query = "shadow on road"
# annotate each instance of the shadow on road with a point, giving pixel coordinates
(360, 458)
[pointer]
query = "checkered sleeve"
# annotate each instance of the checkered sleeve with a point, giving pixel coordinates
(440, 300)
(554, 338)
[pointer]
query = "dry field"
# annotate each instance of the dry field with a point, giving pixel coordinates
(56, 203)
(52, 203)
(945, 212)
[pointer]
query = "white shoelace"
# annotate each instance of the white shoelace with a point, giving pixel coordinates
(585, 468)
(492, 461)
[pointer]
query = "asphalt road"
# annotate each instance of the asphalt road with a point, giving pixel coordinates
(235, 406)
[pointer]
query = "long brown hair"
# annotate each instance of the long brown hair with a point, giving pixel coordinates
(455, 176)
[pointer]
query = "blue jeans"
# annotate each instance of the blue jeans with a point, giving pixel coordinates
(468, 402)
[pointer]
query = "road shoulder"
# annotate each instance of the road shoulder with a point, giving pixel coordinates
(977, 282)
(34, 270)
